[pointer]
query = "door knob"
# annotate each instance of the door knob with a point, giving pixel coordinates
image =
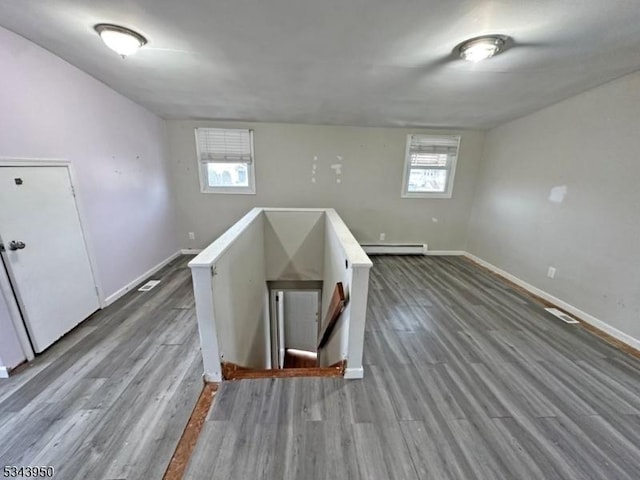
(15, 245)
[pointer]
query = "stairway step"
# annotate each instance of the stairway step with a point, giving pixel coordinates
(231, 371)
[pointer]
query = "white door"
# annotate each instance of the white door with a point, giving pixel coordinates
(51, 274)
(301, 320)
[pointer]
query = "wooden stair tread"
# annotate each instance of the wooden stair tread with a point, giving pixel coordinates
(231, 371)
(294, 358)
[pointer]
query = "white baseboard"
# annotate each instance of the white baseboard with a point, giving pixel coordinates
(581, 315)
(190, 251)
(445, 253)
(394, 249)
(354, 373)
(4, 372)
(119, 293)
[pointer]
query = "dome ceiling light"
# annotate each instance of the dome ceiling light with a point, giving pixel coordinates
(481, 48)
(121, 40)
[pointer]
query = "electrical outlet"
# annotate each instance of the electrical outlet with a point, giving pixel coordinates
(551, 273)
(192, 236)
(383, 236)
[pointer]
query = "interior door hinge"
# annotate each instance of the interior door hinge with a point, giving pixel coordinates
(73, 190)
(213, 271)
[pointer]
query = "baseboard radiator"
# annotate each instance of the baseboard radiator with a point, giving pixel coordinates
(395, 248)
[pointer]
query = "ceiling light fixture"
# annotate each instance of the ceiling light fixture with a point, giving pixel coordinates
(481, 48)
(121, 40)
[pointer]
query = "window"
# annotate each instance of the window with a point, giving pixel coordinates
(430, 165)
(225, 160)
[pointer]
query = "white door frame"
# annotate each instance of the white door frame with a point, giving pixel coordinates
(293, 286)
(15, 315)
(5, 285)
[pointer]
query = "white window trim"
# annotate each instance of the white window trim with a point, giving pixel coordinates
(407, 167)
(203, 174)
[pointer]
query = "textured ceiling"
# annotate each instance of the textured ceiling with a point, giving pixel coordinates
(349, 62)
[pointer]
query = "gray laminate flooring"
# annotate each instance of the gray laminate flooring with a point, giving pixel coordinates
(465, 378)
(111, 399)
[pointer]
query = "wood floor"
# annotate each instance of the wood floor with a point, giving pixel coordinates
(112, 398)
(465, 378)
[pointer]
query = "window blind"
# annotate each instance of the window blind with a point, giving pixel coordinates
(222, 145)
(432, 152)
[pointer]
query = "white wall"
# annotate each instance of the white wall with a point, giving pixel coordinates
(367, 199)
(50, 109)
(294, 244)
(589, 145)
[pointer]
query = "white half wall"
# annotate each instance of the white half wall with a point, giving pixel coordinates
(241, 298)
(559, 188)
(345, 261)
(335, 270)
(117, 150)
(232, 298)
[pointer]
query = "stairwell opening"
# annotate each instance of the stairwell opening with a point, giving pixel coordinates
(318, 263)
